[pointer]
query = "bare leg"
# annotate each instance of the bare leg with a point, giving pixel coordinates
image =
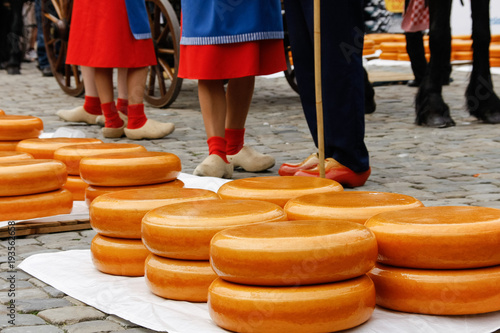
(122, 83)
(104, 84)
(238, 99)
(213, 106)
(136, 82)
(88, 74)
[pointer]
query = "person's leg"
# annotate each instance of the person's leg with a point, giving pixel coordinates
(238, 99)
(416, 51)
(122, 100)
(113, 124)
(212, 99)
(138, 126)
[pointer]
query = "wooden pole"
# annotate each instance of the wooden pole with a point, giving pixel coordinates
(319, 96)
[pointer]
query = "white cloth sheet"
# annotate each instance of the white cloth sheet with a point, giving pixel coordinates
(73, 273)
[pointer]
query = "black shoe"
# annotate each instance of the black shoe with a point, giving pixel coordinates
(47, 71)
(413, 83)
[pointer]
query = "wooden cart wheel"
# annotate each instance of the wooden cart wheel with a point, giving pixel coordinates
(163, 85)
(56, 18)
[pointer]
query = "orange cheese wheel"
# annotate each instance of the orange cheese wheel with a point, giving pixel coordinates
(71, 155)
(92, 192)
(317, 308)
(462, 55)
(389, 55)
(31, 176)
(15, 128)
(392, 46)
(23, 207)
(45, 148)
(293, 252)
(495, 62)
(355, 206)
(7, 156)
(119, 214)
(494, 51)
(437, 292)
(118, 256)
(441, 237)
(2, 112)
(182, 280)
(461, 45)
(129, 169)
(184, 230)
(403, 57)
(8, 145)
(76, 186)
(276, 189)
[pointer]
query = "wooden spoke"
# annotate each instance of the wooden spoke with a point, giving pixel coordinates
(167, 69)
(51, 17)
(57, 8)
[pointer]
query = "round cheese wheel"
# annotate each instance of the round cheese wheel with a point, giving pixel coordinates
(182, 280)
(389, 56)
(15, 128)
(461, 45)
(441, 237)
(76, 186)
(23, 207)
(437, 292)
(2, 112)
(184, 230)
(31, 176)
(276, 189)
(494, 51)
(118, 256)
(355, 206)
(128, 169)
(92, 192)
(495, 62)
(71, 155)
(392, 46)
(462, 55)
(317, 308)
(45, 148)
(8, 145)
(119, 214)
(7, 156)
(293, 252)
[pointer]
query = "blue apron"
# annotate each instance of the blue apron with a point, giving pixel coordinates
(208, 22)
(138, 19)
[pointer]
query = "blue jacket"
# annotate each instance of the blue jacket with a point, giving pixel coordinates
(138, 19)
(208, 22)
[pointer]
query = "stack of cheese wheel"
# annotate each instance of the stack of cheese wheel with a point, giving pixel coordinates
(13, 129)
(45, 147)
(495, 55)
(109, 172)
(117, 248)
(32, 188)
(442, 260)
(293, 276)
(7, 156)
(368, 47)
(71, 156)
(354, 206)
(461, 49)
(178, 236)
(391, 50)
(276, 189)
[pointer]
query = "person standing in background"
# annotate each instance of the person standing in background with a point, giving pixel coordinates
(234, 41)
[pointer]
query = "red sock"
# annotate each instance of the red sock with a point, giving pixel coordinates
(136, 116)
(92, 105)
(122, 105)
(234, 138)
(217, 146)
(111, 118)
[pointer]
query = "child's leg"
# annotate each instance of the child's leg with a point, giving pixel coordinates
(113, 124)
(122, 101)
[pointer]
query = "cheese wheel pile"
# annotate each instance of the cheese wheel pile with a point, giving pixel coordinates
(32, 188)
(117, 218)
(129, 169)
(278, 189)
(355, 206)
(7, 156)
(179, 235)
(441, 260)
(44, 148)
(71, 156)
(16, 128)
(292, 276)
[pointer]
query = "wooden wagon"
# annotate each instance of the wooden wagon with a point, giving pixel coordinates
(162, 85)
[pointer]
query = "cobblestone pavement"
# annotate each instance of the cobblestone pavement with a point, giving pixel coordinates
(453, 166)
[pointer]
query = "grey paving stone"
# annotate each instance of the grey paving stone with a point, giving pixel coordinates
(93, 326)
(33, 329)
(70, 315)
(36, 305)
(32, 293)
(21, 320)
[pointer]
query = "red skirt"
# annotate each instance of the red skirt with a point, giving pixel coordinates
(229, 61)
(100, 36)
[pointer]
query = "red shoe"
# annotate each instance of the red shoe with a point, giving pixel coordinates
(338, 172)
(290, 169)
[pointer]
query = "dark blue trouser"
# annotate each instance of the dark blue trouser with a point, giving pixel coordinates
(43, 60)
(342, 32)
